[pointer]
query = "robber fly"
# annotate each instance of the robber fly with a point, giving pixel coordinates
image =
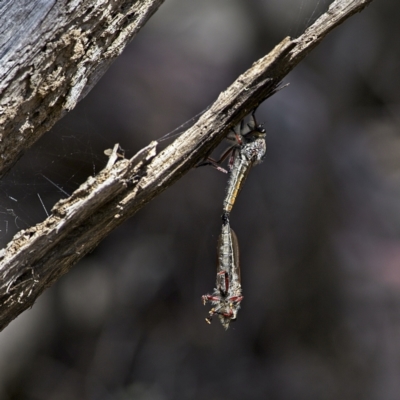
(227, 295)
(247, 150)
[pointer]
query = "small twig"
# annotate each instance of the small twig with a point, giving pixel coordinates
(77, 224)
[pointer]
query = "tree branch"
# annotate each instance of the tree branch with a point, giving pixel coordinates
(38, 256)
(52, 60)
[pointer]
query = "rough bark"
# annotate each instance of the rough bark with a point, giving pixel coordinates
(38, 256)
(52, 52)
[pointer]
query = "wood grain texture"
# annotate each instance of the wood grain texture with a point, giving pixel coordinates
(38, 256)
(52, 52)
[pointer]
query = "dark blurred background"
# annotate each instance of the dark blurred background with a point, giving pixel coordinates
(318, 222)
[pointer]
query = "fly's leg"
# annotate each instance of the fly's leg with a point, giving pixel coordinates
(213, 163)
(217, 163)
(212, 312)
(255, 125)
(236, 299)
(228, 314)
(236, 136)
(208, 297)
(230, 151)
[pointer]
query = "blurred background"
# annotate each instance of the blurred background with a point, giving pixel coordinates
(318, 222)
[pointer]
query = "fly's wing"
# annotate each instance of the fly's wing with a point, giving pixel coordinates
(231, 304)
(248, 124)
(236, 263)
(221, 283)
(234, 134)
(246, 127)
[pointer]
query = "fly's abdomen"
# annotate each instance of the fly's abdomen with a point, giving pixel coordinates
(238, 175)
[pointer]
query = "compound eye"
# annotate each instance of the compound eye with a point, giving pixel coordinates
(261, 129)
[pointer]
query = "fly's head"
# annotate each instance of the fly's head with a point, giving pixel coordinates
(228, 312)
(260, 131)
(255, 130)
(225, 307)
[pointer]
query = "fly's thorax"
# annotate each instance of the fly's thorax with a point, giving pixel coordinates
(235, 247)
(254, 151)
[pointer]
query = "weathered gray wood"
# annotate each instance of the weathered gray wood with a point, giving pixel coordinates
(38, 256)
(52, 52)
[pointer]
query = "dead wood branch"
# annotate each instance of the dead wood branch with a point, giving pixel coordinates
(38, 256)
(53, 58)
